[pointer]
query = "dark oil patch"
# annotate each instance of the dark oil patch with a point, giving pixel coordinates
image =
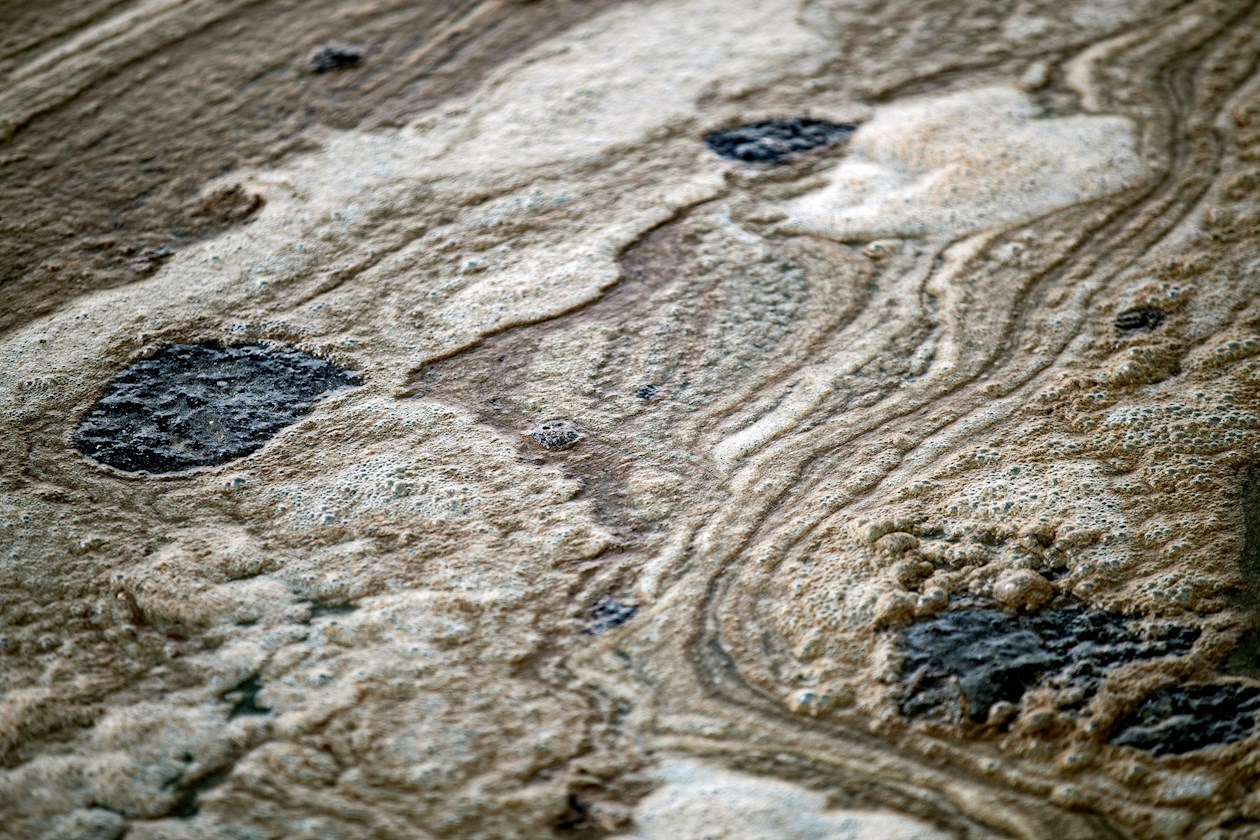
(1140, 320)
(774, 141)
(198, 405)
(609, 613)
(245, 698)
(335, 57)
(321, 608)
(965, 661)
(1244, 660)
(1186, 718)
(556, 434)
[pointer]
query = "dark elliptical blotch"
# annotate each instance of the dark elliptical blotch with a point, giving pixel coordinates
(335, 57)
(970, 659)
(646, 393)
(201, 405)
(774, 141)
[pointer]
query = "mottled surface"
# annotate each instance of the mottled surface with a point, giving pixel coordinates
(820, 408)
(959, 664)
(335, 57)
(198, 405)
(775, 141)
(1192, 717)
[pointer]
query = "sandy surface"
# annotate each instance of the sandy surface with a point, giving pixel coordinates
(903, 488)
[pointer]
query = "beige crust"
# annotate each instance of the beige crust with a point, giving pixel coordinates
(885, 376)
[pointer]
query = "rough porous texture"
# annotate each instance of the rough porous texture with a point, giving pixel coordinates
(1189, 718)
(198, 405)
(962, 663)
(644, 419)
(774, 141)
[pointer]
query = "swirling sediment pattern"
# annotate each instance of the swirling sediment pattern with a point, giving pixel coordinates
(884, 467)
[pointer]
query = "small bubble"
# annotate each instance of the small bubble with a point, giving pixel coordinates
(878, 250)
(1022, 589)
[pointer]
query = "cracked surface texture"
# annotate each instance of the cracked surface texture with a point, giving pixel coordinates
(677, 491)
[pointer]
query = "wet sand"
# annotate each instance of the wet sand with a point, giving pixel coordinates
(645, 419)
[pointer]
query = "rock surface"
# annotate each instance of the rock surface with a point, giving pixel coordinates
(899, 484)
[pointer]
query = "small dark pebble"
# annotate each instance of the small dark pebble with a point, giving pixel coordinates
(973, 658)
(776, 140)
(609, 613)
(228, 205)
(1186, 718)
(556, 434)
(1139, 320)
(197, 405)
(335, 57)
(646, 392)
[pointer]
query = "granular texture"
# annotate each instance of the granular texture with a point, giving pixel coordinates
(199, 405)
(971, 659)
(774, 141)
(1183, 719)
(1139, 320)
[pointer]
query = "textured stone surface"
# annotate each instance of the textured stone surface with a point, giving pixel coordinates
(895, 379)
